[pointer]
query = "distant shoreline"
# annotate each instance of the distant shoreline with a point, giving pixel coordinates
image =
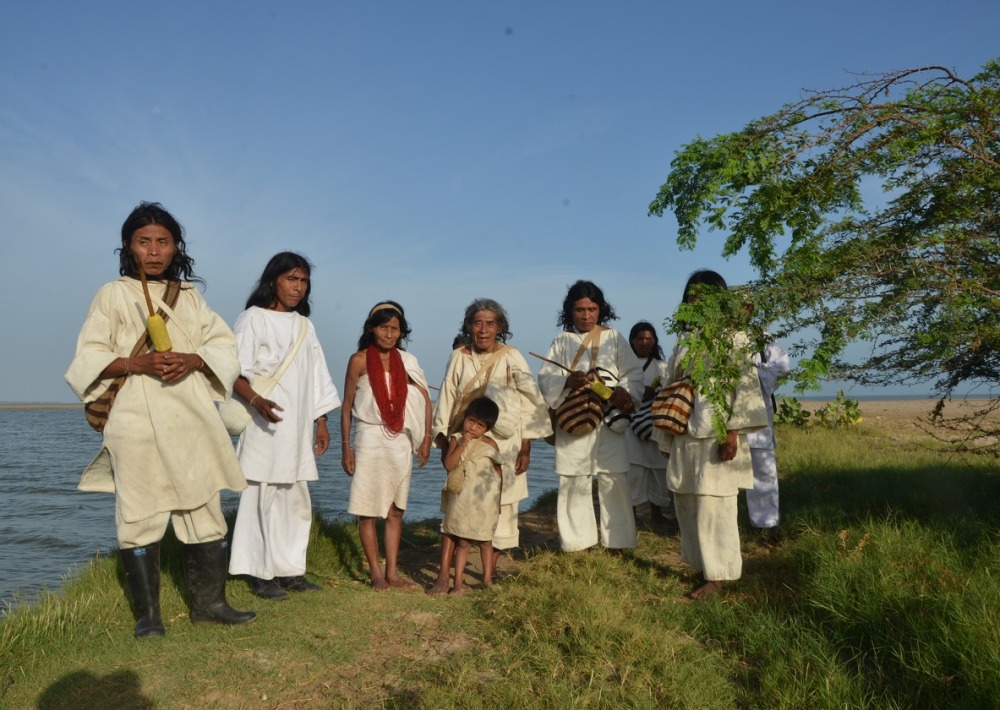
(40, 406)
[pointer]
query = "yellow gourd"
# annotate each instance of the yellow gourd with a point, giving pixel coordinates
(155, 325)
(157, 330)
(600, 389)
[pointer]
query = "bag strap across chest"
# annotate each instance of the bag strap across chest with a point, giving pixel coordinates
(591, 340)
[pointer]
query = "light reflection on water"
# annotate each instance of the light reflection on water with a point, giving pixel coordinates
(48, 528)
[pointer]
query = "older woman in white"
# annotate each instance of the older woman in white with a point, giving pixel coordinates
(483, 364)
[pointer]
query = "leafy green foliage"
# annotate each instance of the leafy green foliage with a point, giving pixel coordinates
(712, 330)
(871, 213)
(790, 411)
(840, 412)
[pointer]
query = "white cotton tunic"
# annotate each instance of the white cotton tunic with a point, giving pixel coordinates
(770, 368)
(646, 453)
(383, 462)
(165, 447)
(601, 450)
(523, 413)
(694, 466)
(282, 452)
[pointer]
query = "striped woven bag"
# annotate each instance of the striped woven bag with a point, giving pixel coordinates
(672, 406)
(642, 421)
(580, 413)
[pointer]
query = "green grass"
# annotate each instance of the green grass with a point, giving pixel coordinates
(878, 591)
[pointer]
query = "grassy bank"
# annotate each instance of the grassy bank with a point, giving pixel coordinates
(877, 592)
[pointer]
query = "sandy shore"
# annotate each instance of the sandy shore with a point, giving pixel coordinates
(907, 412)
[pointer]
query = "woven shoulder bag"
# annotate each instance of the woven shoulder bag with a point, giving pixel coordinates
(672, 405)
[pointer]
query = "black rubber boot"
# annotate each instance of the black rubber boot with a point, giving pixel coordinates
(205, 567)
(142, 573)
(298, 583)
(267, 589)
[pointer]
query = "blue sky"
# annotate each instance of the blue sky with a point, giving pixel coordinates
(426, 152)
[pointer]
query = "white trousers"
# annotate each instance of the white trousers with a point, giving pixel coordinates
(507, 534)
(578, 521)
(271, 533)
(762, 500)
(204, 524)
(710, 536)
(648, 485)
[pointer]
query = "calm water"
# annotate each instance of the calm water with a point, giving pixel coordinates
(48, 528)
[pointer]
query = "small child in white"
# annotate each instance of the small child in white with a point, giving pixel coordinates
(470, 500)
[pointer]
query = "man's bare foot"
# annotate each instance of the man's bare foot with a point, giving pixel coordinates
(440, 587)
(400, 583)
(379, 584)
(458, 590)
(707, 590)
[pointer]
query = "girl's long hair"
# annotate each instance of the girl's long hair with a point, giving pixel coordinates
(265, 292)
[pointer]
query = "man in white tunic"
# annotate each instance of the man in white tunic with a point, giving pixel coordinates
(601, 453)
(278, 449)
(762, 499)
(706, 475)
(165, 454)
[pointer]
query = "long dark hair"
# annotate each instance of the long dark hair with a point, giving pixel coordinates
(264, 292)
(382, 313)
(703, 277)
(585, 289)
(645, 326)
(181, 267)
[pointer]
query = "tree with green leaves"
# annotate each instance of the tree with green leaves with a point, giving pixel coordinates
(870, 213)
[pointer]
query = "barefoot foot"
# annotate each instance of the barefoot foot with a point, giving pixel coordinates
(400, 583)
(707, 590)
(440, 587)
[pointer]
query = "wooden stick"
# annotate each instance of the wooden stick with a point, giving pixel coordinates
(145, 288)
(551, 362)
